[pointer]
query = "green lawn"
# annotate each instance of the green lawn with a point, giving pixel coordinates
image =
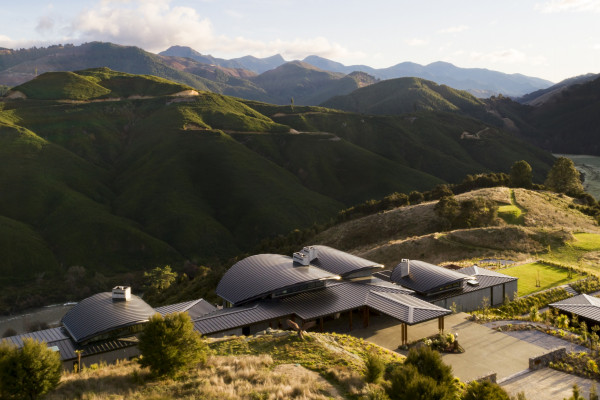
(550, 276)
(575, 252)
(511, 214)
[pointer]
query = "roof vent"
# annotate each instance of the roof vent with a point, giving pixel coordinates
(306, 255)
(121, 293)
(301, 258)
(473, 282)
(311, 251)
(404, 267)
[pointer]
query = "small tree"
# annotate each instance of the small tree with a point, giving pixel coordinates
(564, 177)
(170, 345)
(159, 279)
(28, 372)
(521, 175)
(447, 209)
(415, 197)
(485, 390)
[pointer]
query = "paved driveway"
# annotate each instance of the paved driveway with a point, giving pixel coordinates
(486, 350)
(547, 384)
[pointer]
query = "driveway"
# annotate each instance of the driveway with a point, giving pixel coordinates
(547, 384)
(486, 350)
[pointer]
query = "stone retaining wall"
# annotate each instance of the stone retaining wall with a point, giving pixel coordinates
(542, 361)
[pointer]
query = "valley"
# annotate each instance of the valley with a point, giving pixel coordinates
(589, 166)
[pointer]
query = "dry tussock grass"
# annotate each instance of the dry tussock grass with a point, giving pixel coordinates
(552, 211)
(242, 377)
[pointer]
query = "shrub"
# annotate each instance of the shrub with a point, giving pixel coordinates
(170, 345)
(429, 363)
(520, 175)
(485, 390)
(28, 372)
(374, 367)
(406, 383)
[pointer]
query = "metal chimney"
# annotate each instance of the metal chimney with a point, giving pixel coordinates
(121, 293)
(404, 267)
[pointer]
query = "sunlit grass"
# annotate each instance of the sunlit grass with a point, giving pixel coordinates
(511, 214)
(578, 253)
(549, 276)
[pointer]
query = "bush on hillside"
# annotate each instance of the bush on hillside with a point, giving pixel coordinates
(485, 390)
(374, 367)
(170, 345)
(28, 372)
(469, 213)
(429, 363)
(407, 383)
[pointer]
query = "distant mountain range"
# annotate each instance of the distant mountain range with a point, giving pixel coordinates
(241, 76)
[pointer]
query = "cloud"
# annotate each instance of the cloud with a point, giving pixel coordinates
(45, 25)
(507, 56)
(554, 6)
(155, 25)
(454, 29)
(416, 42)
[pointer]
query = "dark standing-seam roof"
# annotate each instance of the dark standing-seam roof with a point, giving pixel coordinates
(66, 346)
(259, 275)
(404, 307)
(99, 314)
(424, 277)
(341, 263)
(335, 298)
(194, 308)
(583, 305)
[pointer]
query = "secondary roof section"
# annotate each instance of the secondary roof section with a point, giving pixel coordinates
(426, 278)
(342, 263)
(583, 305)
(100, 314)
(263, 274)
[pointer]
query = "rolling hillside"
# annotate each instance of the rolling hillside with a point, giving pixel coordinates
(116, 173)
(567, 122)
(405, 95)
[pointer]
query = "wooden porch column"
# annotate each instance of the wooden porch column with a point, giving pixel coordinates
(441, 324)
(350, 318)
(321, 329)
(404, 334)
(365, 317)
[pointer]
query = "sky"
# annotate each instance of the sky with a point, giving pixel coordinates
(550, 39)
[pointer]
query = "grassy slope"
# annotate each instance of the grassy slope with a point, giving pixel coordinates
(405, 95)
(411, 232)
(427, 141)
(240, 368)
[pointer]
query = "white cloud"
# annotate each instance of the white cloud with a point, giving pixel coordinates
(155, 25)
(454, 29)
(554, 6)
(416, 42)
(45, 25)
(507, 56)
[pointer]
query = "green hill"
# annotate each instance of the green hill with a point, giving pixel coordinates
(131, 176)
(566, 122)
(405, 95)
(96, 84)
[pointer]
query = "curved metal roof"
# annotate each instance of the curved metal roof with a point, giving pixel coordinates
(341, 263)
(99, 314)
(262, 274)
(424, 277)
